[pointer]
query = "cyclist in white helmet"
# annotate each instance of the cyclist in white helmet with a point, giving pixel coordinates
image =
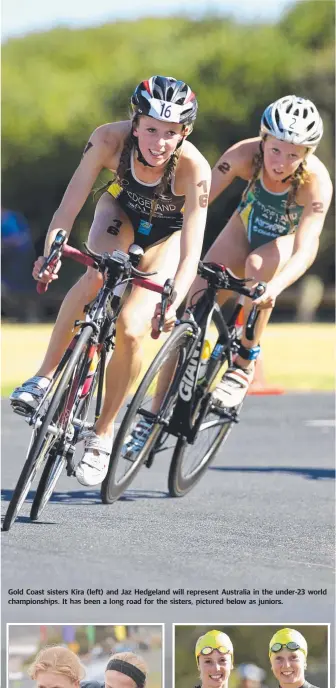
(273, 236)
(157, 198)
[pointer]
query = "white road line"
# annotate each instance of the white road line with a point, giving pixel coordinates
(328, 423)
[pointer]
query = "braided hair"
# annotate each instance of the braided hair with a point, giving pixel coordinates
(166, 179)
(300, 176)
(123, 165)
(257, 163)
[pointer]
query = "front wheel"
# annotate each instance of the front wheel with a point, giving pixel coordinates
(157, 392)
(190, 461)
(48, 432)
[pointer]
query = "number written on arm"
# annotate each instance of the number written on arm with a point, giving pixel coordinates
(204, 197)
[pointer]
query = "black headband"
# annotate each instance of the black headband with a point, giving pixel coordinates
(128, 669)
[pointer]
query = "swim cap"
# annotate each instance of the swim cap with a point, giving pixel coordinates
(213, 640)
(285, 637)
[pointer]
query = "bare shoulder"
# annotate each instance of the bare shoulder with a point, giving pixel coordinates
(239, 157)
(108, 140)
(319, 181)
(318, 170)
(111, 132)
(192, 161)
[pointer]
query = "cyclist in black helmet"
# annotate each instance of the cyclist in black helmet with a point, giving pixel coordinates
(158, 199)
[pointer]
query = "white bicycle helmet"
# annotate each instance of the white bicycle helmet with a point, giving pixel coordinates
(293, 119)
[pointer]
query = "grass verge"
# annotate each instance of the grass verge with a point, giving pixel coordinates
(295, 356)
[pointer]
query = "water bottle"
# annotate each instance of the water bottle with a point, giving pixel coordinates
(205, 356)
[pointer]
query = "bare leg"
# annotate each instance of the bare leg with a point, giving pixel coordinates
(263, 264)
(100, 240)
(231, 248)
(133, 327)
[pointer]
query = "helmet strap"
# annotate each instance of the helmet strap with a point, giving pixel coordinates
(140, 156)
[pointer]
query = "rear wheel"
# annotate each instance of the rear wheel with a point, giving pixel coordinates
(146, 403)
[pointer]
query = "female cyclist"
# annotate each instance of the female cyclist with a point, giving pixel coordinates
(288, 655)
(273, 236)
(157, 199)
(214, 658)
(123, 670)
(56, 667)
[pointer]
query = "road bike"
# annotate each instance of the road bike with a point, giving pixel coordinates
(175, 395)
(76, 390)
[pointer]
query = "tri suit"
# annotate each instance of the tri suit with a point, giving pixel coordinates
(135, 198)
(264, 216)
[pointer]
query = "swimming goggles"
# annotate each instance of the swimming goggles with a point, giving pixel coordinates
(290, 646)
(207, 650)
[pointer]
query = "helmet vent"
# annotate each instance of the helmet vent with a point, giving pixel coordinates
(277, 119)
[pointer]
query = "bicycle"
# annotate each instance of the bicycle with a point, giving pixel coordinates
(186, 411)
(77, 383)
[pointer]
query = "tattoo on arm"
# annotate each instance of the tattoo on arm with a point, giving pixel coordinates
(87, 147)
(115, 228)
(224, 167)
(318, 207)
(203, 199)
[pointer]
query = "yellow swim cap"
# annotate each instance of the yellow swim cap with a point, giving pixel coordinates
(213, 640)
(289, 638)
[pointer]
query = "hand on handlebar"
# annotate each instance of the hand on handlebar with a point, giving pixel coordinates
(169, 319)
(162, 320)
(268, 298)
(50, 271)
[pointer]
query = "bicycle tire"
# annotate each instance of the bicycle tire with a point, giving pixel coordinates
(111, 489)
(55, 464)
(180, 481)
(34, 458)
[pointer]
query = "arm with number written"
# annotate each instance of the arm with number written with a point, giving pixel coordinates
(317, 198)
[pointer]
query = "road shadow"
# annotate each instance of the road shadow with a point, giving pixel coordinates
(310, 473)
(91, 497)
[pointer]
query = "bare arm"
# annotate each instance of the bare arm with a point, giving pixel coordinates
(195, 212)
(233, 163)
(79, 187)
(306, 241)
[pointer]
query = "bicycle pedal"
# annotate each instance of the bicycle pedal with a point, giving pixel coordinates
(224, 413)
(21, 408)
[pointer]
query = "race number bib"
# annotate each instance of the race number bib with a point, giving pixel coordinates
(169, 112)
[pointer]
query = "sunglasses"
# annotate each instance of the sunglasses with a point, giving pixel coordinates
(290, 646)
(207, 650)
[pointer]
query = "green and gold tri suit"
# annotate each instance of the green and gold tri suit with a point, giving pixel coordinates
(264, 216)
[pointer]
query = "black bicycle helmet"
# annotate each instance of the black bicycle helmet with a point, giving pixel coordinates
(166, 99)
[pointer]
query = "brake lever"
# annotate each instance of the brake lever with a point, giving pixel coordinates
(166, 297)
(254, 313)
(56, 250)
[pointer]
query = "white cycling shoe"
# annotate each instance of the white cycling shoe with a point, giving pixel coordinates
(233, 387)
(26, 398)
(93, 467)
(137, 439)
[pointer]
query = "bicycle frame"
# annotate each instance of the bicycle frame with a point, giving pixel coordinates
(101, 341)
(190, 393)
(193, 401)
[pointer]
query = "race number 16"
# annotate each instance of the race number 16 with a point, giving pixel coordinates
(165, 110)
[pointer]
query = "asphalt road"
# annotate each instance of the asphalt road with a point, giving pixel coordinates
(261, 517)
